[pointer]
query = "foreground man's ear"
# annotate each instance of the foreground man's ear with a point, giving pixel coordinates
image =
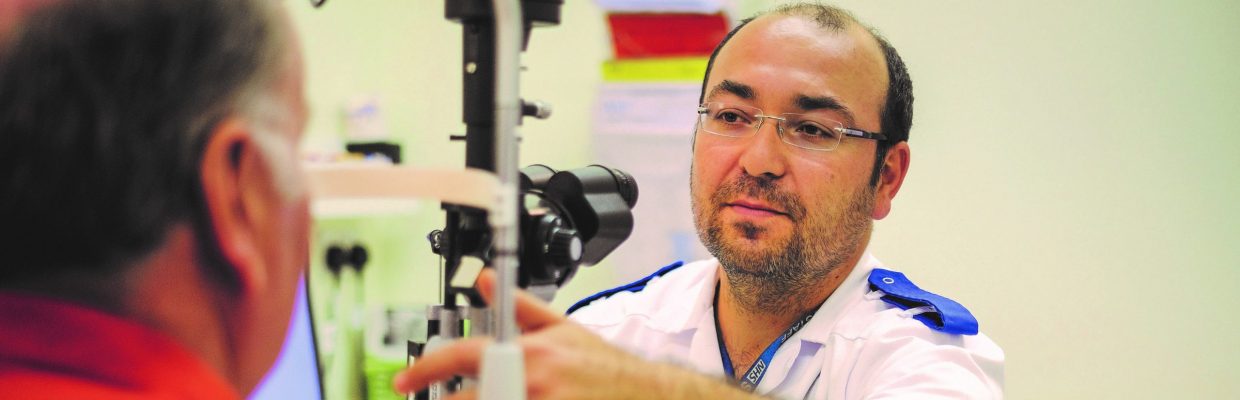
(234, 184)
(895, 168)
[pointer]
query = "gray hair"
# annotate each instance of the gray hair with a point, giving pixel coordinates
(105, 109)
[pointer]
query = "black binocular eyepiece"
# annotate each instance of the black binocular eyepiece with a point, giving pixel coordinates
(571, 218)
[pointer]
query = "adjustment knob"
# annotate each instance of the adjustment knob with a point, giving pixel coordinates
(358, 256)
(336, 258)
(537, 109)
(564, 247)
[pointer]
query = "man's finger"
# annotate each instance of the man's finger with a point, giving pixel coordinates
(532, 313)
(466, 394)
(458, 358)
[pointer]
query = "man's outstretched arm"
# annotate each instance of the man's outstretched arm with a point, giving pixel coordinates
(565, 361)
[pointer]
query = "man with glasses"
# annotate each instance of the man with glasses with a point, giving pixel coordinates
(800, 143)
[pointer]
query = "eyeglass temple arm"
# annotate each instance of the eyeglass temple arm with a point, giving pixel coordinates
(863, 134)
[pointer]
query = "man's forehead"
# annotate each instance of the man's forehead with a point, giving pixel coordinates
(802, 33)
(845, 64)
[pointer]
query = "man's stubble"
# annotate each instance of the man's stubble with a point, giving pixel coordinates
(771, 276)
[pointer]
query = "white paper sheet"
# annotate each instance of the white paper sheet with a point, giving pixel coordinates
(646, 129)
(646, 108)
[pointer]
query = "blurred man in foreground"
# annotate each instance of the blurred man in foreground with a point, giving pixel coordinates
(153, 213)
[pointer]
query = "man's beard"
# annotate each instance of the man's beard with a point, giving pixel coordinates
(773, 276)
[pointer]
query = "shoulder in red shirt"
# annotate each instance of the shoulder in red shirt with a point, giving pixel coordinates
(53, 349)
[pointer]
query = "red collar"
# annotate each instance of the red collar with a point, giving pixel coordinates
(55, 349)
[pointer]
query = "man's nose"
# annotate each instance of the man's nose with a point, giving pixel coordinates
(765, 153)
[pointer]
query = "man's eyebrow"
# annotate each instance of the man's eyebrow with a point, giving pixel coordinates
(739, 89)
(808, 103)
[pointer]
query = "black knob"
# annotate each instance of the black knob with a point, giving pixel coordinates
(564, 247)
(336, 258)
(358, 257)
(436, 240)
(537, 109)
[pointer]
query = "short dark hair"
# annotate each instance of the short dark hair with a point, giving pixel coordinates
(896, 118)
(105, 109)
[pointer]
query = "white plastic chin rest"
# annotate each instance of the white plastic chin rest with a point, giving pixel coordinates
(468, 187)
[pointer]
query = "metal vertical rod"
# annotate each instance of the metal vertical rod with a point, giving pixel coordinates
(508, 38)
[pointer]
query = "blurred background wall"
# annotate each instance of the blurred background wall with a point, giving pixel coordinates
(1073, 179)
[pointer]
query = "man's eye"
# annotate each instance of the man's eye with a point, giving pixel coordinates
(730, 117)
(814, 131)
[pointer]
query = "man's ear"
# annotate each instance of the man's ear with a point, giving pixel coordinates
(895, 168)
(226, 173)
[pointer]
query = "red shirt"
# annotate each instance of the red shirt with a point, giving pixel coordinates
(52, 349)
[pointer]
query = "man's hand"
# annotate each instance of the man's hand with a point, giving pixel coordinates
(562, 361)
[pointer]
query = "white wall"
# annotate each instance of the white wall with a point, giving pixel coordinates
(1073, 176)
(1073, 182)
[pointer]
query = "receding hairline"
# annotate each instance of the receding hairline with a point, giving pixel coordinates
(836, 22)
(867, 53)
(831, 19)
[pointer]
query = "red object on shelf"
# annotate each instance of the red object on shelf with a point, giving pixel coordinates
(666, 35)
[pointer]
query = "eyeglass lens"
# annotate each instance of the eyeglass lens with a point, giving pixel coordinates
(799, 130)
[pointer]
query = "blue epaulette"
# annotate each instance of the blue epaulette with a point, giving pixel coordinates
(636, 286)
(944, 315)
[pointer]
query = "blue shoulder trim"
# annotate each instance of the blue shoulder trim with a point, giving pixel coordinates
(947, 315)
(636, 286)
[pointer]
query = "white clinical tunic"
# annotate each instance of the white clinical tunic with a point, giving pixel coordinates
(869, 340)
